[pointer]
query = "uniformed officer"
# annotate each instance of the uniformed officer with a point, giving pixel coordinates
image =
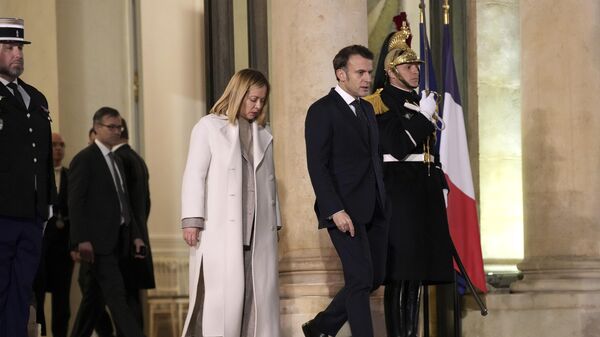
(419, 241)
(26, 180)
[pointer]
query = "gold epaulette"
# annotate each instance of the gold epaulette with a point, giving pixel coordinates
(377, 102)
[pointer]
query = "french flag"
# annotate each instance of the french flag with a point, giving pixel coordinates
(454, 156)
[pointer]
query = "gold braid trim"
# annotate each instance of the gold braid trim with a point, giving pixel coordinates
(377, 102)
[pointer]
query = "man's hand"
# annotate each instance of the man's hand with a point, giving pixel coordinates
(191, 235)
(140, 248)
(86, 251)
(343, 222)
(75, 256)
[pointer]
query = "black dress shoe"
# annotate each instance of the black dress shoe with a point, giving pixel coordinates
(310, 331)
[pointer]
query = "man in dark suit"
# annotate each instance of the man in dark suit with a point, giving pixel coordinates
(56, 266)
(138, 274)
(102, 226)
(26, 180)
(344, 164)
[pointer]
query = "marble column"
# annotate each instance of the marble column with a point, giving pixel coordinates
(304, 37)
(560, 292)
(561, 151)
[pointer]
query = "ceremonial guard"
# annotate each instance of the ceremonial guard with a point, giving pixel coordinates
(27, 187)
(419, 250)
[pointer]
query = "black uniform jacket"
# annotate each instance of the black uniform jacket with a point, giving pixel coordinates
(94, 208)
(419, 246)
(343, 160)
(26, 168)
(394, 120)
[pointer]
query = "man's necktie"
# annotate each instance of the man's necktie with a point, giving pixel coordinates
(16, 93)
(360, 113)
(121, 193)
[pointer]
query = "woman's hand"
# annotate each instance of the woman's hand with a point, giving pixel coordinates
(191, 236)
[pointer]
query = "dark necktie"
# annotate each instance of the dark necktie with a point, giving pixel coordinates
(16, 93)
(360, 114)
(121, 193)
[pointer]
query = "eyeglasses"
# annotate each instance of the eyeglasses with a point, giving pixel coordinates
(113, 127)
(58, 144)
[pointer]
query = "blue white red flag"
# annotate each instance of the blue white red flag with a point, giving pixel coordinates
(454, 156)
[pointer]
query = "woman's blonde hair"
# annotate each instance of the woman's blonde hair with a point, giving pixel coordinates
(230, 102)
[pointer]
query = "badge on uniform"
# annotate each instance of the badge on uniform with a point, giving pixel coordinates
(407, 115)
(47, 112)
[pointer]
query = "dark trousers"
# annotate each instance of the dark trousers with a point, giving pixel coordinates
(61, 312)
(134, 303)
(363, 262)
(129, 270)
(20, 249)
(104, 326)
(59, 270)
(105, 285)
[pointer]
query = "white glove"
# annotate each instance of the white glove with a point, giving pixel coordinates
(427, 105)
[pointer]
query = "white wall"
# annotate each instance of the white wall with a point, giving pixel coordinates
(41, 54)
(173, 99)
(94, 65)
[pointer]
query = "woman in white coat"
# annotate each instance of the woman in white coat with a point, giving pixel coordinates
(230, 216)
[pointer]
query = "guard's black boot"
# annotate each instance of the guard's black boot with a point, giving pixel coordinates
(391, 307)
(412, 291)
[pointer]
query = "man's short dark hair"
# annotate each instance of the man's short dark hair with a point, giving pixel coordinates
(104, 111)
(341, 59)
(125, 132)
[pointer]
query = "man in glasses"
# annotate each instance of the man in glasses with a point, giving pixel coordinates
(102, 227)
(138, 274)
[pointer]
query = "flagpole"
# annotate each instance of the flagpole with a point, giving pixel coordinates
(482, 308)
(425, 44)
(422, 20)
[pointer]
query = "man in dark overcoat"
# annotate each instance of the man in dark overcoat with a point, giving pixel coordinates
(137, 273)
(56, 265)
(103, 227)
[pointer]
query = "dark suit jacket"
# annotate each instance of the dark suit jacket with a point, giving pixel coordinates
(56, 240)
(94, 208)
(53, 234)
(136, 174)
(56, 266)
(343, 160)
(26, 169)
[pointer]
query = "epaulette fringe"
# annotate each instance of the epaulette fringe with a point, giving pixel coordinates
(377, 102)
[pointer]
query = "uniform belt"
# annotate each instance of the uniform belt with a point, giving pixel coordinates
(415, 157)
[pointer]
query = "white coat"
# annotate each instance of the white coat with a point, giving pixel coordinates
(212, 189)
